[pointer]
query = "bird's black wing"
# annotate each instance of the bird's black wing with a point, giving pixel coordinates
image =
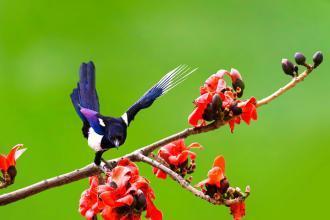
(84, 96)
(169, 81)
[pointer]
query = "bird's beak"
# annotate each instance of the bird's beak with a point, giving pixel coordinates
(116, 143)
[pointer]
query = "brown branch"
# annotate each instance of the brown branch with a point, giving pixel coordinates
(91, 169)
(290, 85)
(185, 184)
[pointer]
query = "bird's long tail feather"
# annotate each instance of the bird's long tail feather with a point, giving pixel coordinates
(165, 84)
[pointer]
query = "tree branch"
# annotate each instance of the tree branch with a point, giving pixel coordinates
(137, 155)
(286, 88)
(185, 184)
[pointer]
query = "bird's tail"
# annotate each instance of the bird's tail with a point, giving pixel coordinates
(165, 84)
(85, 95)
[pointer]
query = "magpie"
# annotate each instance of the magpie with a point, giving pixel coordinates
(105, 132)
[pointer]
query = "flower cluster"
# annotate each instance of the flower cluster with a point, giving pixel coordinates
(219, 101)
(176, 155)
(8, 165)
(216, 184)
(122, 195)
(217, 187)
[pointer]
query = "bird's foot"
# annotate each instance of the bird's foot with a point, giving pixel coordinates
(103, 167)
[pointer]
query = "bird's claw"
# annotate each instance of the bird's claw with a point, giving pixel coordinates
(104, 167)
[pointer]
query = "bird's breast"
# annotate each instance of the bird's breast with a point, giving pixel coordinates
(94, 140)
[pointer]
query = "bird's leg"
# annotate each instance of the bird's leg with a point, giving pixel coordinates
(97, 161)
(97, 158)
(101, 163)
(109, 166)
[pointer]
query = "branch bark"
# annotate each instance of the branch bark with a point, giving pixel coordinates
(139, 155)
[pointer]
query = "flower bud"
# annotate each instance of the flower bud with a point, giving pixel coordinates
(216, 102)
(141, 202)
(224, 185)
(113, 185)
(239, 87)
(210, 190)
(208, 114)
(288, 67)
(300, 58)
(236, 110)
(12, 172)
(317, 58)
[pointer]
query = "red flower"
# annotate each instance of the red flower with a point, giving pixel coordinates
(216, 186)
(207, 110)
(89, 204)
(176, 154)
(249, 111)
(10, 159)
(196, 117)
(238, 210)
(215, 175)
(123, 196)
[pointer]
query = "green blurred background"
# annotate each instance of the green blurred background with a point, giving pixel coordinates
(284, 156)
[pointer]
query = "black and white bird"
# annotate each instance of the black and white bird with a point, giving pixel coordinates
(104, 132)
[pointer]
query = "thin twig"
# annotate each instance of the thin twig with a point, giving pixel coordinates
(91, 169)
(287, 87)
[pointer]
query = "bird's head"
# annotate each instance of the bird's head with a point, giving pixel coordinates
(116, 135)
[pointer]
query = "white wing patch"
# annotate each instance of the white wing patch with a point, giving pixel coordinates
(94, 140)
(101, 122)
(124, 117)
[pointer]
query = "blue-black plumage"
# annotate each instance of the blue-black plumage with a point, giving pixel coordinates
(105, 132)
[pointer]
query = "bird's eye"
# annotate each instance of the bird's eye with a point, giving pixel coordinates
(101, 122)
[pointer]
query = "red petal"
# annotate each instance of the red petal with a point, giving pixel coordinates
(204, 99)
(108, 198)
(129, 164)
(231, 125)
(173, 160)
(3, 163)
(219, 161)
(11, 156)
(221, 85)
(195, 145)
(222, 73)
(203, 90)
(93, 181)
(238, 210)
(152, 212)
(109, 213)
(254, 114)
(126, 200)
(234, 75)
(215, 176)
(120, 175)
(212, 82)
(196, 116)
(159, 173)
(183, 157)
(192, 155)
(249, 111)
